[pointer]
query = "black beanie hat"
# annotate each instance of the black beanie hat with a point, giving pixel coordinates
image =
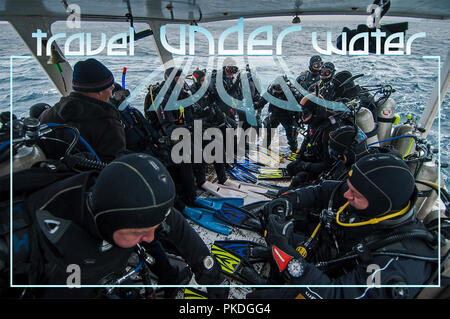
(133, 191)
(91, 76)
(386, 182)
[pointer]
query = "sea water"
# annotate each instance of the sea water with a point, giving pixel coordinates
(413, 77)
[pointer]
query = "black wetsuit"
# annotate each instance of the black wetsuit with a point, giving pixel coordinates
(64, 233)
(326, 89)
(391, 261)
(234, 89)
(98, 122)
(288, 119)
(211, 117)
(314, 158)
(307, 78)
(167, 121)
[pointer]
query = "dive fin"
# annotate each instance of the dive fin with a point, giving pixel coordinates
(192, 293)
(226, 191)
(222, 191)
(255, 208)
(251, 252)
(291, 157)
(273, 173)
(236, 268)
(246, 187)
(217, 202)
(239, 217)
(272, 186)
(262, 158)
(207, 219)
(245, 164)
(241, 174)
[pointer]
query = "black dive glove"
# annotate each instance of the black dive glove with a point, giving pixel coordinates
(298, 166)
(290, 196)
(208, 273)
(278, 232)
(280, 207)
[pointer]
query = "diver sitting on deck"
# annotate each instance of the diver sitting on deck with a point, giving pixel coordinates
(141, 136)
(87, 109)
(95, 222)
(313, 157)
(374, 238)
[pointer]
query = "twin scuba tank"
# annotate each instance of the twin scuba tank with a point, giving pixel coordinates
(385, 130)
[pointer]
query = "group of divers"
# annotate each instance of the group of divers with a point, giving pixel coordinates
(106, 195)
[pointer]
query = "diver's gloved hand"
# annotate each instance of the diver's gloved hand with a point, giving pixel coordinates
(278, 232)
(304, 166)
(290, 196)
(292, 168)
(279, 206)
(282, 259)
(208, 273)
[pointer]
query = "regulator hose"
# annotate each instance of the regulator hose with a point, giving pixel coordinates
(384, 242)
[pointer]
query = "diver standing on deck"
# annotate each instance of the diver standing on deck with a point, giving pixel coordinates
(211, 116)
(232, 83)
(325, 85)
(168, 121)
(288, 119)
(312, 75)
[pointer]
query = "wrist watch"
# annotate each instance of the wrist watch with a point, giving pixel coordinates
(294, 269)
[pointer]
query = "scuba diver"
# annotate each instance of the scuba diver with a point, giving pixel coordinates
(95, 221)
(346, 90)
(374, 238)
(141, 136)
(211, 116)
(288, 119)
(346, 145)
(87, 109)
(166, 121)
(233, 86)
(308, 77)
(313, 157)
(325, 85)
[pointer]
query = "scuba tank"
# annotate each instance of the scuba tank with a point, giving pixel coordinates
(428, 172)
(28, 153)
(365, 121)
(405, 146)
(24, 159)
(385, 119)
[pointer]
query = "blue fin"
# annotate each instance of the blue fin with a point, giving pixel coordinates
(207, 219)
(239, 217)
(247, 250)
(241, 174)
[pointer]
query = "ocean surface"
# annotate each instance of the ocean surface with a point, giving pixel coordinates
(413, 77)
